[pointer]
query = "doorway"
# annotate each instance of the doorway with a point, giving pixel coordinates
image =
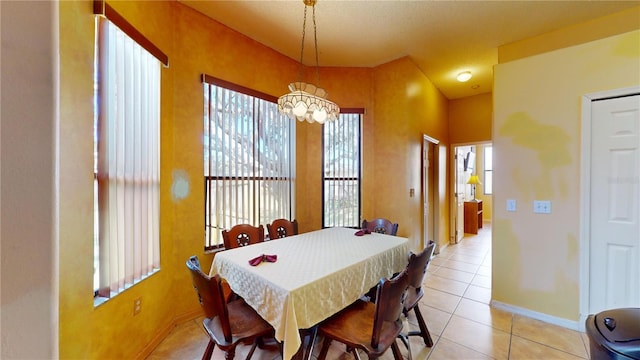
(471, 159)
(610, 245)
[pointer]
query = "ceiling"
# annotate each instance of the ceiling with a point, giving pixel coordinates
(442, 37)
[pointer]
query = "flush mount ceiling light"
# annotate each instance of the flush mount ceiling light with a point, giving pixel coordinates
(307, 102)
(464, 76)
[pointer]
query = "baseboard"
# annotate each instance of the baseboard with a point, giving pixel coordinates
(164, 332)
(441, 247)
(566, 323)
(188, 316)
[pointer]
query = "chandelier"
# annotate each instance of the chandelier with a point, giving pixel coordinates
(307, 102)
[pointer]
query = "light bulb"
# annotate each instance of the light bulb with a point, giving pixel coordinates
(320, 115)
(300, 109)
(464, 76)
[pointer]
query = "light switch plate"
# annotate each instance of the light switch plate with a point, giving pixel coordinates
(511, 205)
(542, 206)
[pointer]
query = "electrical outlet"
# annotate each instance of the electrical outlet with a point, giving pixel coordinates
(542, 206)
(511, 205)
(137, 306)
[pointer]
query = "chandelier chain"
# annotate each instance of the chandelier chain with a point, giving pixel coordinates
(315, 36)
(308, 102)
(304, 27)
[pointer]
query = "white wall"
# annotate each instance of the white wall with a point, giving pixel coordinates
(28, 122)
(537, 149)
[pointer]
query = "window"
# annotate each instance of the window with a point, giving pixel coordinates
(248, 159)
(488, 170)
(127, 158)
(341, 170)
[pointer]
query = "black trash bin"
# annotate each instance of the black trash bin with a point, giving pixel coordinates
(614, 334)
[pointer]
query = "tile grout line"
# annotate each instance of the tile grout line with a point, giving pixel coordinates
(510, 338)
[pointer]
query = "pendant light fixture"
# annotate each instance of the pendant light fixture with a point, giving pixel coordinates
(307, 102)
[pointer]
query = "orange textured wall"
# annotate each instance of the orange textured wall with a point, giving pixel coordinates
(407, 105)
(195, 45)
(470, 119)
(109, 330)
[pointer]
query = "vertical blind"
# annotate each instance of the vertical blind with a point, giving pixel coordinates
(248, 160)
(341, 170)
(128, 161)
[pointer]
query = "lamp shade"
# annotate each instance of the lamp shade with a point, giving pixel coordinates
(474, 180)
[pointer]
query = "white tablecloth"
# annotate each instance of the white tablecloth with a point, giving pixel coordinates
(316, 275)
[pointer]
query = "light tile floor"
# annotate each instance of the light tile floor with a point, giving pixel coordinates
(456, 309)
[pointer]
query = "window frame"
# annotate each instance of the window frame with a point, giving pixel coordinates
(214, 242)
(344, 112)
(103, 288)
(487, 170)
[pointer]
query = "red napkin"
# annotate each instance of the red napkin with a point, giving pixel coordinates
(258, 259)
(362, 232)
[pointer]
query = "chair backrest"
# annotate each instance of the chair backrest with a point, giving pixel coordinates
(210, 295)
(280, 228)
(389, 306)
(417, 266)
(381, 225)
(242, 235)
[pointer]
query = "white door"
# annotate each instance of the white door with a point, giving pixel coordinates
(459, 193)
(614, 250)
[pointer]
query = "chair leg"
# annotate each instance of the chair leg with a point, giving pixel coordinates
(209, 350)
(253, 348)
(397, 355)
(424, 332)
(407, 344)
(325, 348)
(230, 353)
(312, 342)
(356, 355)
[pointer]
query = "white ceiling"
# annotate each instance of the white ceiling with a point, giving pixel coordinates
(442, 37)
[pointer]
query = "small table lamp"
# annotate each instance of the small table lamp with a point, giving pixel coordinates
(473, 181)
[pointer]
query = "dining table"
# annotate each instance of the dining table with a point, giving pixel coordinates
(298, 281)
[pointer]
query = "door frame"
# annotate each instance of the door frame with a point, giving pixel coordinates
(432, 187)
(585, 192)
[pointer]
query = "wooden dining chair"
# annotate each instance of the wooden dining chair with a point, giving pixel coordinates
(417, 269)
(280, 228)
(372, 328)
(228, 324)
(381, 225)
(242, 235)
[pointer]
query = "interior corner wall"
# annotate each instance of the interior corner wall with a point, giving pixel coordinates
(407, 106)
(349, 88)
(537, 152)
